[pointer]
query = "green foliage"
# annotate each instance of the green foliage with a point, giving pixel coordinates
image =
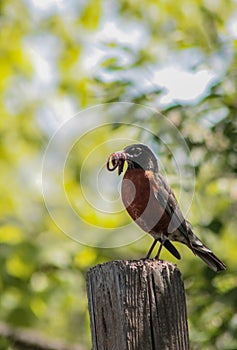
(57, 58)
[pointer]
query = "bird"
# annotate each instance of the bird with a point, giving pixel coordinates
(152, 204)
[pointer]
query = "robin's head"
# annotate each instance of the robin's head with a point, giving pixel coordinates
(136, 155)
(141, 156)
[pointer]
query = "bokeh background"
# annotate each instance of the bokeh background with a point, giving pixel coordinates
(58, 58)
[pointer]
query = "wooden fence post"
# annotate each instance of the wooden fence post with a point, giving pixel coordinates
(137, 305)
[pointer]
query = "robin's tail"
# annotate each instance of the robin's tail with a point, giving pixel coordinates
(205, 253)
(210, 259)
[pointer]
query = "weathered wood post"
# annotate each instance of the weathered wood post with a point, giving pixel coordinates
(137, 305)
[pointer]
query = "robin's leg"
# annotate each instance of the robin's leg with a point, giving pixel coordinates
(159, 250)
(151, 249)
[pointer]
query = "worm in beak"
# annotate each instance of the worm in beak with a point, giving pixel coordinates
(116, 160)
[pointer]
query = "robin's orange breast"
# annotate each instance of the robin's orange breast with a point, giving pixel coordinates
(138, 196)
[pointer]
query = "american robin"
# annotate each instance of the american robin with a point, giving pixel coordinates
(152, 204)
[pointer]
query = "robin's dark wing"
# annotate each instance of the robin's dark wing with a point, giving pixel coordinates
(171, 248)
(167, 199)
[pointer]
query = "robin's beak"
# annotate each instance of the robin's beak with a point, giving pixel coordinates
(117, 160)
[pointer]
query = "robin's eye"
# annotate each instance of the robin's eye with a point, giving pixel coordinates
(136, 151)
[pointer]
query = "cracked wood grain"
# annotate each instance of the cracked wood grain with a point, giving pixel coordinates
(137, 305)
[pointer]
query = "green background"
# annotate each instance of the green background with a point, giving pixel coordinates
(59, 57)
